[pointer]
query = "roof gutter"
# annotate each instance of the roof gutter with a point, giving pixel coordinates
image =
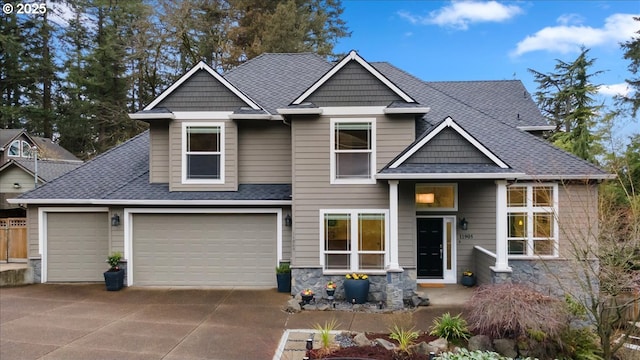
(449, 176)
(407, 110)
(146, 202)
(152, 116)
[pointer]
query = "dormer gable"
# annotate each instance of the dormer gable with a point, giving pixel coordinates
(202, 89)
(353, 82)
(448, 143)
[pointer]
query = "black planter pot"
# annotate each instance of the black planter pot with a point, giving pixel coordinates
(284, 282)
(468, 280)
(114, 280)
(356, 291)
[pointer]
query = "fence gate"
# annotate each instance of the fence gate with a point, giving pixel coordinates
(13, 240)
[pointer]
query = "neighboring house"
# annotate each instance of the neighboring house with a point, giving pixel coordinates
(334, 167)
(19, 170)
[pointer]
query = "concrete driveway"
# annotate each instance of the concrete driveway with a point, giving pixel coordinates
(67, 322)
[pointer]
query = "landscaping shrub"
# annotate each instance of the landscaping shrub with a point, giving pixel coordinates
(517, 312)
(514, 311)
(464, 354)
(452, 328)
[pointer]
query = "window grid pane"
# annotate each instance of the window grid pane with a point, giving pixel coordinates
(517, 196)
(542, 225)
(337, 262)
(543, 247)
(517, 247)
(517, 225)
(14, 149)
(203, 166)
(371, 261)
(337, 232)
(353, 136)
(351, 165)
(203, 139)
(542, 196)
(371, 232)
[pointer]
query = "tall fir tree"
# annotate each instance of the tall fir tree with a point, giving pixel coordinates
(566, 98)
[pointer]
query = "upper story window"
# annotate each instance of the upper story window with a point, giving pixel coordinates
(203, 153)
(352, 151)
(532, 229)
(19, 148)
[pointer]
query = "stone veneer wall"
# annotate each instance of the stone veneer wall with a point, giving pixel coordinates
(36, 265)
(553, 277)
(392, 288)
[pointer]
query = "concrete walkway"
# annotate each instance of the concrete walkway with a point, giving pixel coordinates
(46, 321)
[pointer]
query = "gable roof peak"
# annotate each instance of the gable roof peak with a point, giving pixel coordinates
(201, 65)
(353, 56)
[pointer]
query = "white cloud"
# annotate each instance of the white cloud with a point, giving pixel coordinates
(566, 38)
(568, 19)
(622, 89)
(459, 14)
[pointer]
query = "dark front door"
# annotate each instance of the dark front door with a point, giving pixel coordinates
(430, 247)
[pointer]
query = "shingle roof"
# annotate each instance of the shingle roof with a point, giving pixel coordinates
(6, 135)
(47, 169)
(110, 177)
(274, 80)
(488, 110)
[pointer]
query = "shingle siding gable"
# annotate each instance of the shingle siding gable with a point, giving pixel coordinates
(448, 147)
(353, 85)
(201, 92)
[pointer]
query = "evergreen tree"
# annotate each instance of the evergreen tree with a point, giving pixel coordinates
(12, 75)
(632, 53)
(566, 99)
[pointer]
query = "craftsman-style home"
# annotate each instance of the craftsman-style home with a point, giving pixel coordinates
(334, 167)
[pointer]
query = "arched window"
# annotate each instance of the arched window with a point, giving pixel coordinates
(14, 149)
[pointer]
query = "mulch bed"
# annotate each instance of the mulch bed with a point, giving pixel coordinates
(373, 352)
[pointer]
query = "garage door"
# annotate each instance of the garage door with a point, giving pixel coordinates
(77, 246)
(204, 249)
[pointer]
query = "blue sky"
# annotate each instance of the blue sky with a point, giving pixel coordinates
(494, 40)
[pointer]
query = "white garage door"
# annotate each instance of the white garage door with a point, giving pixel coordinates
(77, 246)
(204, 249)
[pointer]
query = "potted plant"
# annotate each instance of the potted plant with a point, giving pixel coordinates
(114, 277)
(356, 288)
(331, 289)
(468, 279)
(283, 275)
(307, 295)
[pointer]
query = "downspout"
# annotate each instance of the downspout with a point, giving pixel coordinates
(35, 162)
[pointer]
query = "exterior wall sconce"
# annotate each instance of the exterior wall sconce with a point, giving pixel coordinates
(17, 185)
(115, 220)
(464, 224)
(287, 220)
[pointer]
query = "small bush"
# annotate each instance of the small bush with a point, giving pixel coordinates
(464, 354)
(452, 328)
(325, 333)
(580, 344)
(403, 336)
(515, 311)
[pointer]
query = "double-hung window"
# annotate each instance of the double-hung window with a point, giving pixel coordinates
(353, 240)
(203, 153)
(352, 151)
(531, 220)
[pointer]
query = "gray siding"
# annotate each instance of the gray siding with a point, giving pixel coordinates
(286, 236)
(577, 217)
(264, 154)
(32, 233)
(159, 152)
(312, 190)
(230, 157)
(201, 92)
(448, 147)
(477, 204)
(116, 233)
(353, 85)
(8, 177)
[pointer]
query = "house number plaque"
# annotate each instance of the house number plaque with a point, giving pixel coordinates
(465, 236)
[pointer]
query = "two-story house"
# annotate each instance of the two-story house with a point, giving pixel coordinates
(334, 167)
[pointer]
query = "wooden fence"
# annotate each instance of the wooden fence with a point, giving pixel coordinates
(13, 239)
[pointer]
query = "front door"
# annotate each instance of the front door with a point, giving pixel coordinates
(430, 251)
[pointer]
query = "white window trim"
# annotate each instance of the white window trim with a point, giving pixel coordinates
(455, 197)
(183, 155)
(353, 213)
(19, 149)
(530, 210)
(332, 160)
